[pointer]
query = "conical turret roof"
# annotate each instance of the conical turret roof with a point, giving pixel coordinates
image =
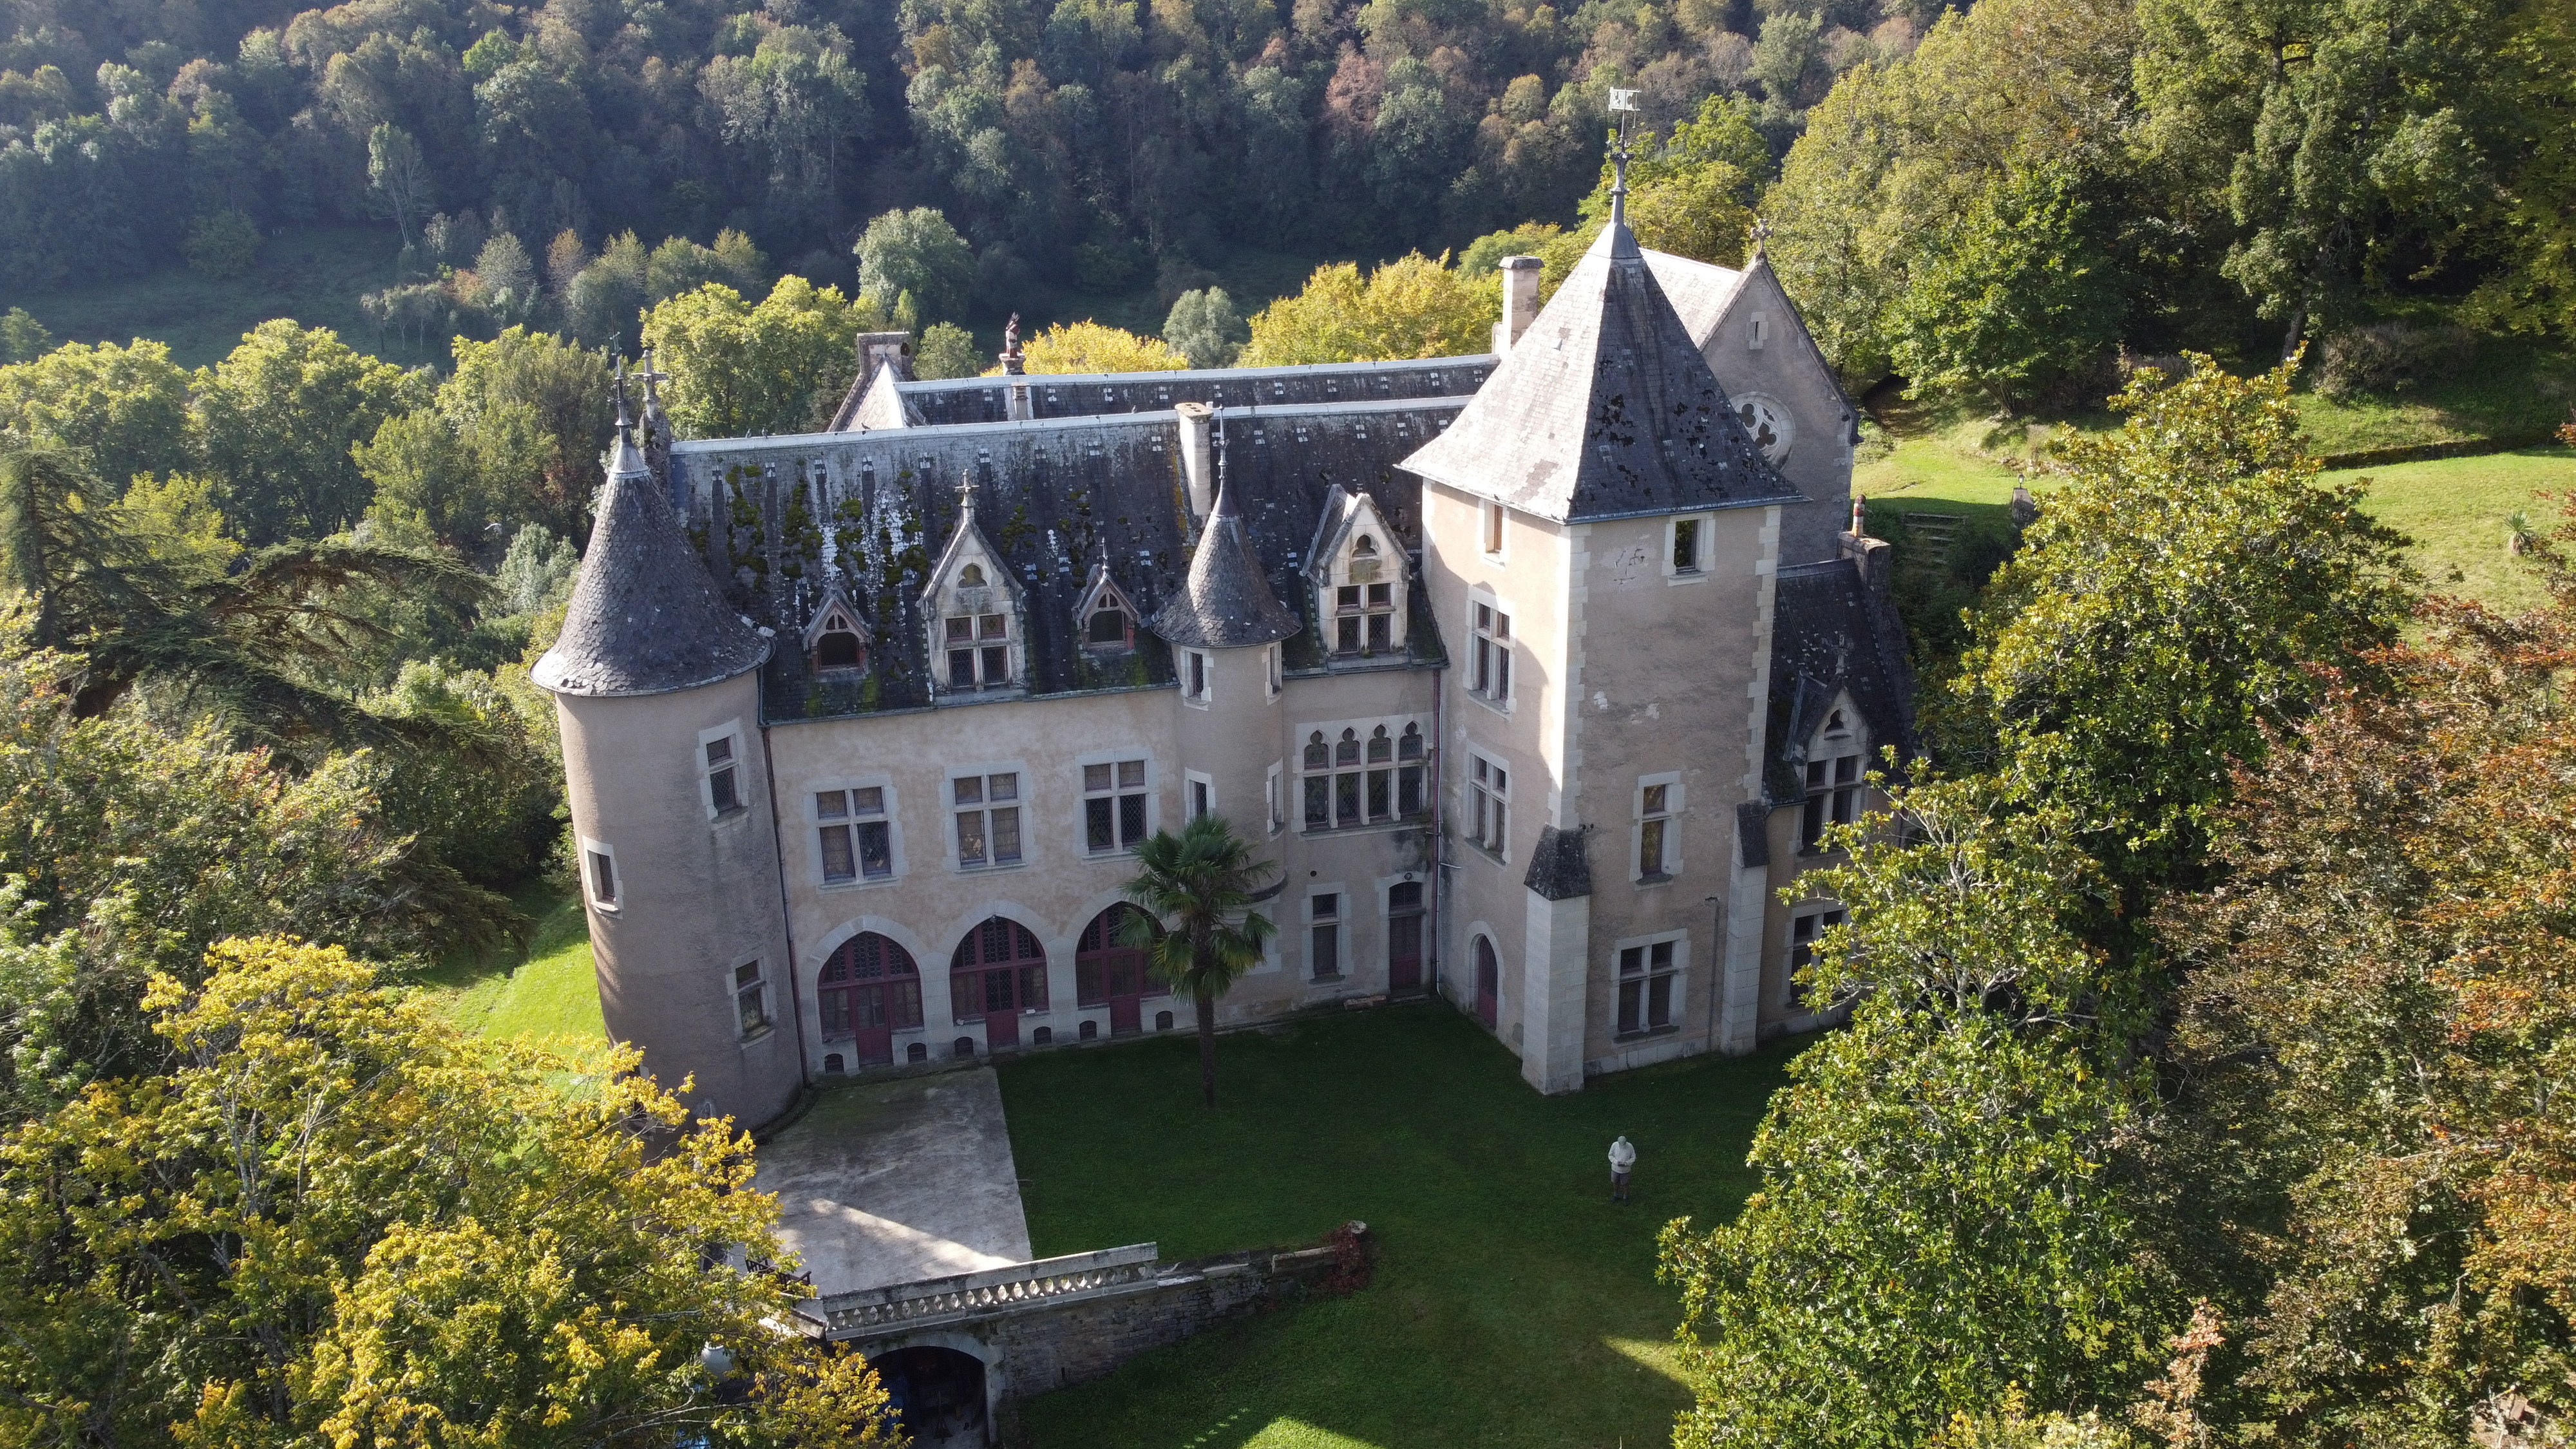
(1605, 408)
(1225, 603)
(645, 618)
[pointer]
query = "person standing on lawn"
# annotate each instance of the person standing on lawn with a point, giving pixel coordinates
(1623, 1160)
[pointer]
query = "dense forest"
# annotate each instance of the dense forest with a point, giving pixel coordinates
(1086, 142)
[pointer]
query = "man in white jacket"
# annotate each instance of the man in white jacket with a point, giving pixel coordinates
(1623, 1160)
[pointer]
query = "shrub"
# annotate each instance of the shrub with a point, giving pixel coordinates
(2390, 357)
(221, 245)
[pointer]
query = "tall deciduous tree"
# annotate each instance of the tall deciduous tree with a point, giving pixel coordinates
(916, 253)
(400, 176)
(2351, 140)
(275, 423)
(1901, 166)
(1410, 307)
(1939, 1220)
(121, 410)
(340, 1219)
(2371, 1155)
(1200, 884)
(2169, 607)
(739, 369)
(1095, 347)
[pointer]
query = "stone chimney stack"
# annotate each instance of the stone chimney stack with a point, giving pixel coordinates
(877, 349)
(1520, 300)
(1197, 462)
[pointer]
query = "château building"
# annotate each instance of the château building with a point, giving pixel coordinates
(1536, 673)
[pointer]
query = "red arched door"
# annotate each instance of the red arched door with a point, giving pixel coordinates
(999, 971)
(1108, 974)
(870, 990)
(1489, 981)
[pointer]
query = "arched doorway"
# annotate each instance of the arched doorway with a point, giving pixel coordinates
(1108, 974)
(938, 1393)
(1489, 981)
(999, 971)
(870, 989)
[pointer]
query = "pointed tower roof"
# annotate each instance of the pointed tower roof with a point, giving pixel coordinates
(1605, 409)
(645, 618)
(1225, 603)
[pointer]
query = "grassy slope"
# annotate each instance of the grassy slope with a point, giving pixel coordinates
(1514, 1304)
(2454, 508)
(314, 276)
(549, 990)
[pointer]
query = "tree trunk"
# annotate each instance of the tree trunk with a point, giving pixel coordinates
(1207, 1044)
(2290, 339)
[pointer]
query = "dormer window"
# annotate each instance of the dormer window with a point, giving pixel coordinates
(1106, 616)
(1360, 576)
(973, 607)
(836, 642)
(1833, 778)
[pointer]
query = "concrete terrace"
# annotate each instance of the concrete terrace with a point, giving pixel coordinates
(895, 1181)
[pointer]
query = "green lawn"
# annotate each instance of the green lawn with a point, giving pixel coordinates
(2455, 511)
(1514, 1304)
(549, 990)
(314, 276)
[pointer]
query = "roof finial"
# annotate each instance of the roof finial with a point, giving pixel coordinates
(651, 379)
(1761, 233)
(1623, 104)
(966, 493)
(625, 420)
(1222, 504)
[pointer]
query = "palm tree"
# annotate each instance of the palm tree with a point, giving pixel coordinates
(1203, 881)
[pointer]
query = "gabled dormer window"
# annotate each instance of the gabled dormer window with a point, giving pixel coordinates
(973, 605)
(1105, 616)
(1360, 575)
(836, 641)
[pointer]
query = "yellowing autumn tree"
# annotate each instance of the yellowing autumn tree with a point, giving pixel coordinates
(1411, 307)
(340, 1220)
(1089, 346)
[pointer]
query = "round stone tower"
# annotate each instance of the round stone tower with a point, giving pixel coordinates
(656, 686)
(1224, 627)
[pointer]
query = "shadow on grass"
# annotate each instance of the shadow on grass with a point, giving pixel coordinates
(1514, 1303)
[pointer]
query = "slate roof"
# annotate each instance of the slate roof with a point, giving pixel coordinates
(1225, 603)
(1070, 395)
(1833, 635)
(645, 618)
(1560, 869)
(784, 519)
(1604, 409)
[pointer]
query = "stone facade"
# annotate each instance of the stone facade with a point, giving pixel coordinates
(1523, 691)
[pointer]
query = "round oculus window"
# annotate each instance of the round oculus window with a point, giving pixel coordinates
(1769, 423)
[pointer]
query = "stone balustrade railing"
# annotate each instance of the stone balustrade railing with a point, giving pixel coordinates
(910, 1305)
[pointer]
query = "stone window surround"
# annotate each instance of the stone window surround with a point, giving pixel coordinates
(1680, 940)
(730, 730)
(593, 851)
(1704, 525)
(1676, 796)
(1027, 802)
(893, 823)
(1153, 788)
(1339, 922)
